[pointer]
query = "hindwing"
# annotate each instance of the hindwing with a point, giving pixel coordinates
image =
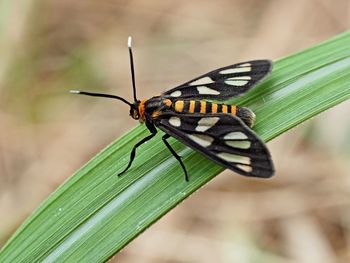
(222, 138)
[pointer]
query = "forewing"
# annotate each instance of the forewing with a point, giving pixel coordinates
(225, 82)
(224, 139)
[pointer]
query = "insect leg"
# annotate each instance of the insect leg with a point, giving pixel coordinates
(133, 151)
(164, 138)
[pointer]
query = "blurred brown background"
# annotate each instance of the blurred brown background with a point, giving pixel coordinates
(49, 47)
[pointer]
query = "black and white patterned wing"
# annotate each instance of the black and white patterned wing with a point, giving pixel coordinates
(223, 83)
(222, 138)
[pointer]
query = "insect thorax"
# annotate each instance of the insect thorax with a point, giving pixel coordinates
(154, 106)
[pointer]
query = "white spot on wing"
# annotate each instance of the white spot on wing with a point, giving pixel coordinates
(234, 158)
(176, 93)
(202, 81)
(245, 168)
(238, 81)
(201, 139)
(175, 121)
(235, 70)
(207, 91)
(239, 144)
(235, 136)
(241, 78)
(206, 123)
(245, 65)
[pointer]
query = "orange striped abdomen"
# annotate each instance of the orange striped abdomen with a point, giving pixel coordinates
(202, 106)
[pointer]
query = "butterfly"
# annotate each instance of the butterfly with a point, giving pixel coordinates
(219, 131)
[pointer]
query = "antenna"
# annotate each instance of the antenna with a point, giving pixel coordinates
(132, 67)
(100, 95)
(114, 96)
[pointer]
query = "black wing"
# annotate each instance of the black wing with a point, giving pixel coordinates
(222, 138)
(223, 83)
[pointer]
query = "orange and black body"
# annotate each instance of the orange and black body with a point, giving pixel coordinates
(222, 132)
(152, 109)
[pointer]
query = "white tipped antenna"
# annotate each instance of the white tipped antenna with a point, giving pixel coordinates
(132, 68)
(74, 91)
(100, 95)
(129, 41)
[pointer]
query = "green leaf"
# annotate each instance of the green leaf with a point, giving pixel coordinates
(94, 214)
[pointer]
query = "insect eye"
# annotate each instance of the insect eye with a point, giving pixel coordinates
(136, 114)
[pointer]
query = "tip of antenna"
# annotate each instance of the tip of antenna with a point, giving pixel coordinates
(74, 91)
(129, 41)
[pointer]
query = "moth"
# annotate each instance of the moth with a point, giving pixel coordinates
(188, 113)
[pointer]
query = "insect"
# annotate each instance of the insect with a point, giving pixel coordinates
(219, 131)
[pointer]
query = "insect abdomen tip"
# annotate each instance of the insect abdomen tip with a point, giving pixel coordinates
(246, 115)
